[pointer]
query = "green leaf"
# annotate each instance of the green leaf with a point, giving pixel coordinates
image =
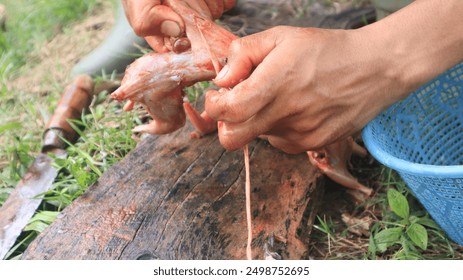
(371, 246)
(386, 238)
(398, 203)
(37, 226)
(8, 126)
(418, 235)
(45, 216)
(413, 219)
(41, 220)
(426, 221)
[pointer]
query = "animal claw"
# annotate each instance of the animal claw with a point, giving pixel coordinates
(128, 106)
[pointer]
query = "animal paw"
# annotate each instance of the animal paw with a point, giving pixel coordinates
(333, 161)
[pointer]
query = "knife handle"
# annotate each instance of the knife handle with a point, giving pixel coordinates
(76, 98)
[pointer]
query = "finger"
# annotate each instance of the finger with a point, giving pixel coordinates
(147, 19)
(215, 7)
(200, 7)
(244, 54)
(170, 28)
(228, 4)
(251, 95)
(235, 135)
(226, 132)
(221, 106)
(157, 43)
(240, 103)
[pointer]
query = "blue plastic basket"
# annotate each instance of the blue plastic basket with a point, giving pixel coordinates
(421, 138)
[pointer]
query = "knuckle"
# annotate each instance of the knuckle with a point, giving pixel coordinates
(139, 27)
(226, 107)
(228, 142)
(233, 111)
(236, 46)
(278, 30)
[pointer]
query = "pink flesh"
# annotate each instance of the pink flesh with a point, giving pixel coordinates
(156, 81)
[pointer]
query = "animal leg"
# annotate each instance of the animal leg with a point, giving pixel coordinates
(202, 122)
(340, 175)
(358, 150)
(128, 106)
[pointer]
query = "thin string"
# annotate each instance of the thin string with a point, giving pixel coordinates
(216, 64)
(248, 202)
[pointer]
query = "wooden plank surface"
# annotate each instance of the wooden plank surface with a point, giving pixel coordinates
(177, 198)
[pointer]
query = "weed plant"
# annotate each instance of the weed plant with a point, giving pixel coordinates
(23, 115)
(400, 228)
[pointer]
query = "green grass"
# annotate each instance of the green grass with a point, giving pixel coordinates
(30, 23)
(22, 114)
(106, 137)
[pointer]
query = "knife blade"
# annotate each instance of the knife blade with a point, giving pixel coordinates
(24, 200)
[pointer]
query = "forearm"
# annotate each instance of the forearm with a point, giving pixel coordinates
(304, 98)
(419, 42)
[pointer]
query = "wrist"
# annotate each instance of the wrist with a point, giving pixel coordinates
(416, 44)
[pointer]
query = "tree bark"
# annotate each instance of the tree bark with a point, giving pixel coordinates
(177, 198)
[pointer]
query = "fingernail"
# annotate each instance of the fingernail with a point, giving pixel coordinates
(170, 28)
(222, 73)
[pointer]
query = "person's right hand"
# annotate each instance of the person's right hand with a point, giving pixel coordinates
(302, 88)
(157, 22)
(305, 88)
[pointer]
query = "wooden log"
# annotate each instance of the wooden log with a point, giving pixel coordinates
(177, 198)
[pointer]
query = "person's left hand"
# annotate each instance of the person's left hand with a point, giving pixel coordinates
(157, 23)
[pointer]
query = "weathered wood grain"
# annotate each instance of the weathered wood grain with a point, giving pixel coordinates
(177, 198)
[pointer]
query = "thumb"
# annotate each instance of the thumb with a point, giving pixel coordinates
(150, 18)
(244, 55)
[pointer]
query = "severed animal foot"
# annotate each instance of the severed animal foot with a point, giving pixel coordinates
(201, 122)
(333, 161)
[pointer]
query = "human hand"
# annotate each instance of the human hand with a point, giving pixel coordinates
(302, 88)
(157, 22)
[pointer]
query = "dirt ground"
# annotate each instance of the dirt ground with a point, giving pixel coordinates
(53, 61)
